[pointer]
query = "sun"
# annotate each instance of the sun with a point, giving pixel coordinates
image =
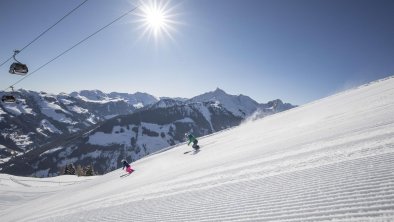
(156, 18)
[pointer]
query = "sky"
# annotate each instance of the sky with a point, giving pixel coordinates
(294, 50)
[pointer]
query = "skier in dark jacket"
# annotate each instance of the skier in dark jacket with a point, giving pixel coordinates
(193, 140)
(127, 166)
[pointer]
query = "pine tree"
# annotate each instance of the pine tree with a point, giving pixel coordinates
(71, 169)
(66, 170)
(89, 170)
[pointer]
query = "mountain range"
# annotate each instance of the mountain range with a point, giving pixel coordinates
(43, 132)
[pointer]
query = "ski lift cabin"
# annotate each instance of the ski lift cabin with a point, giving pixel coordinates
(8, 99)
(18, 68)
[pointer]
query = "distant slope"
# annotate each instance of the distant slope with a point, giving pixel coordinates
(330, 160)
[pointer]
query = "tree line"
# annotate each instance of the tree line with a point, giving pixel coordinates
(70, 169)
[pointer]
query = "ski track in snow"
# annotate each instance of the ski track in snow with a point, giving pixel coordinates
(352, 190)
(330, 160)
(348, 186)
(21, 190)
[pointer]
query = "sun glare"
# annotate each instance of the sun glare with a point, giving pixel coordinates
(156, 18)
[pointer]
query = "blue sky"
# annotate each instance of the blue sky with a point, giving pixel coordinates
(295, 50)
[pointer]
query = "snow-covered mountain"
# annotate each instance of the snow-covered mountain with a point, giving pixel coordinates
(239, 105)
(133, 134)
(138, 100)
(329, 160)
(38, 117)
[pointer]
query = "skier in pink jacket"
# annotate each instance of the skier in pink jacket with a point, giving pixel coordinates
(127, 166)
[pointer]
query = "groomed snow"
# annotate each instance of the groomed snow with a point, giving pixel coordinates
(330, 160)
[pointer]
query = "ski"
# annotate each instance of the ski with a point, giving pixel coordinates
(125, 175)
(192, 152)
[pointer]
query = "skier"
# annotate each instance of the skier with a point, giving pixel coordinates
(191, 139)
(128, 167)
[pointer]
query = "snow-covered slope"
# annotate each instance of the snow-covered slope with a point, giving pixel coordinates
(330, 160)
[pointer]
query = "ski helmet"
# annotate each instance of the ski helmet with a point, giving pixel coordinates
(123, 160)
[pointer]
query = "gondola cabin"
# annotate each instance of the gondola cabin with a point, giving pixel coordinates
(18, 68)
(8, 99)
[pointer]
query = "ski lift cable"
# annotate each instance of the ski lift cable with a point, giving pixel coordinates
(39, 36)
(72, 47)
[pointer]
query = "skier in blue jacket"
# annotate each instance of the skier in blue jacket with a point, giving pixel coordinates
(193, 140)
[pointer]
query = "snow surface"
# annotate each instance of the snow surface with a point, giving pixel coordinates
(17, 108)
(49, 109)
(65, 101)
(51, 150)
(16, 191)
(138, 105)
(122, 136)
(4, 160)
(77, 109)
(207, 115)
(2, 113)
(238, 105)
(20, 140)
(330, 160)
(93, 96)
(91, 120)
(46, 125)
(138, 100)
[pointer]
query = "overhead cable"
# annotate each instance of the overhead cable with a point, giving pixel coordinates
(39, 36)
(75, 45)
